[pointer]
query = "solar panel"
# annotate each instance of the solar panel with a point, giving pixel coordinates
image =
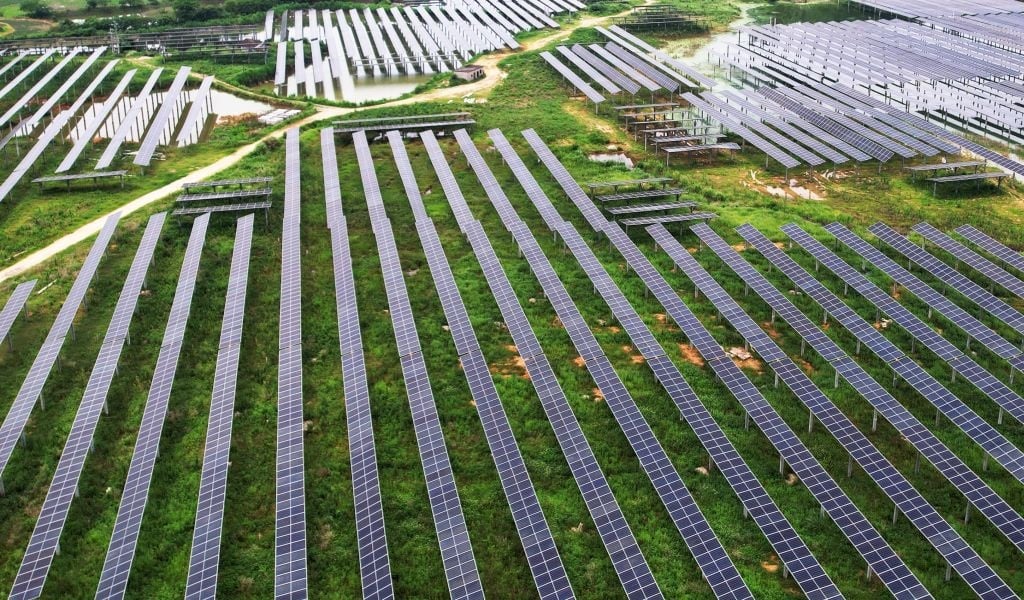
(949, 276)
(795, 555)
(32, 388)
(989, 270)
(27, 97)
(538, 542)
(42, 546)
(624, 68)
(958, 316)
(192, 124)
(588, 70)
(456, 551)
(281, 70)
(606, 69)
(161, 121)
(240, 207)
(51, 132)
(993, 247)
(85, 137)
(24, 73)
(736, 127)
(966, 419)
(772, 135)
(945, 461)
(14, 307)
(213, 483)
(290, 522)
(643, 67)
(228, 195)
(374, 565)
(575, 80)
(67, 83)
(128, 123)
(907, 500)
(123, 542)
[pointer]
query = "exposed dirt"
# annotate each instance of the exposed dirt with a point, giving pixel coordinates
(598, 396)
(691, 355)
(771, 564)
(579, 362)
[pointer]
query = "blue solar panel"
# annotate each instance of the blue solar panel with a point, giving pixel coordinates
(993, 247)
(949, 276)
(374, 564)
(43, 545)
(290, 521)
(32, 388)
(907, 499)
(538, 542)
(711, 557)
(966, 419)
(958, 316)
(456, 551)
(795, 555)
(992, 272)
(201, 582)
(123, 542)
(14, 307)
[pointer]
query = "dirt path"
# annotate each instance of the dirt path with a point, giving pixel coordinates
(494, 76)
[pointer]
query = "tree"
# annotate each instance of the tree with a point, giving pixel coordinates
(187, 10)
(36, 9)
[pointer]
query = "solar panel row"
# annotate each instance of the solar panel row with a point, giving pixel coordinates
(795, 555)
(161, 120)
(201, 582)
(13, 307)
(895, 486)
(42, 546)
(993, 247)
(32, 388)
(538, 542)
(453, 536)
(124, 539)
(374, 564)
(977, 492)
(85, 136)
(128, 122)
(290, 513)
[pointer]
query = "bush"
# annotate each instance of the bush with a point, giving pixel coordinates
(37, 9)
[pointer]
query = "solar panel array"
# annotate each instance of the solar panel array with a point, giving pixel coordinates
(161, 121)
(124, 539)
(792, 551)
(977, 492)
(949, 276)
(14, 306)
(456, 551)
(992, 272)
(213, 484)
(51, 132)
(192, 125)
(85, 136)
(974, 328)
(538, 542)
(907, 500)
(773, 151)
(32, 388)
(573, 78)
(611, 525)
(983, 434)
(374, 565)
(26, 72)
(26, 98)
(290, 523)
(43, 545)
(128, 122)
(67, 83)
(711, 557)
(992, 246)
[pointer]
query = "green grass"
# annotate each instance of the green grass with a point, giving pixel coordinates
(529, 97)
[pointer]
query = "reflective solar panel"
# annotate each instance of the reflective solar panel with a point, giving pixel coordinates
(456, 551)
(880, 557)
(31, 389)
(989, 270)
(958, 316)
(736, 127)
(993, 247)
(161, 121)
(608, 85)
(14, 306)
(123, 542)
(538, 542)
(290, 513)
(620, 80)
(43, 545)
(205, 556)
(575, 80)
(86, 134)
(67, 83)
(374, 564)
(949, 276)
(795, 555)
(966, 419)
(192, 125)
(907, 499)
(128, 122)
(30, 94)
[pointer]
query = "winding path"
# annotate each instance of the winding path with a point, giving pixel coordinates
(493, 77)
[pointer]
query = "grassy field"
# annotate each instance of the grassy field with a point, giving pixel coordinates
(529, 97)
